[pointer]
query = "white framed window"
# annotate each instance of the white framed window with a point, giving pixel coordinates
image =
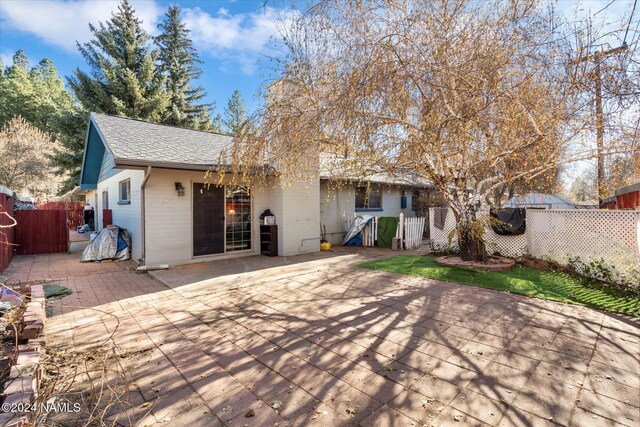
(368, 197)
(125, 192)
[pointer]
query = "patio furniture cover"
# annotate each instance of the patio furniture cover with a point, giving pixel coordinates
(387, 227)
(354, 235)
(512, 221)
(112, 242)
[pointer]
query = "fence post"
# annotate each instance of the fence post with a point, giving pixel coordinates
(401, 228)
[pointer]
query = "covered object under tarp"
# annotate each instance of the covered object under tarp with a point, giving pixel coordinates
(387, 228)
(508, 221)
(354, 235)
(112, 242)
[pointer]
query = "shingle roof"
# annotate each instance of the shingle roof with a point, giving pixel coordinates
(548, 201)
(334, 167)
(133, 141)
(136, 143)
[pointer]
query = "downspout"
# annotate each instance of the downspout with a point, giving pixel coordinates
(143, 217)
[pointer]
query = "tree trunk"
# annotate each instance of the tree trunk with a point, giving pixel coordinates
(470, 240)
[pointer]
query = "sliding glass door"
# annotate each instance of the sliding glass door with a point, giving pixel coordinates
(238, 218)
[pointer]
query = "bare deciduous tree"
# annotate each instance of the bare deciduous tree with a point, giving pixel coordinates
(472, 96)
(24, 164)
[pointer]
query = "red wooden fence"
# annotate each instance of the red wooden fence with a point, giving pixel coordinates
(629, 200)
(42, 232)
(7, 235)
(74, 211)
(107, 217)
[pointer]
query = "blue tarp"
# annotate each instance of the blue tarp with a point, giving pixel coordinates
(354, 235)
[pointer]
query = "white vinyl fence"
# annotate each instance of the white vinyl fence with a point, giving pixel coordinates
(409, 232)
(593, 235)
(510, 246)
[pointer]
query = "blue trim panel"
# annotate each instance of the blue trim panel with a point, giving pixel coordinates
(94, 153)
(369, 209)
(124, 202)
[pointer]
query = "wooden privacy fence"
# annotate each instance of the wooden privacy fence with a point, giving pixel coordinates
(75, 211)
(7, 232)
(409, 232)
(41, 232)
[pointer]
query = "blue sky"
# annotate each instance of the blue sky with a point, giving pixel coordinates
(233, 37)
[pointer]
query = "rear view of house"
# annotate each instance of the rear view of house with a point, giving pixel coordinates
(151, 177)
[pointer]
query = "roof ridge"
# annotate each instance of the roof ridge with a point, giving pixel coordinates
(161, 124)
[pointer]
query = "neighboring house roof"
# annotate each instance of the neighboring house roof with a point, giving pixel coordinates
(628, 189)
(540, 200)
(25, 199)
(6, 191)
(336, 168)
(137, 144)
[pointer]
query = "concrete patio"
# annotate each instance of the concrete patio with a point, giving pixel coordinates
(314, 340)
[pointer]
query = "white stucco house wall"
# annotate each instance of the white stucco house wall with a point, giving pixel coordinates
(152, 178)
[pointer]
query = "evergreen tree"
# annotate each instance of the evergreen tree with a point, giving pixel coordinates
(123, 80)
(178, 61)
(53, 98)
(39, 96)
(235, 113)
(216, 123)
(71, 131)
(17, 95)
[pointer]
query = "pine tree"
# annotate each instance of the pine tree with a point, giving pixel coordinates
(53, 98)
(123, 80)
(235, 113)
(178, 61)
(71, 130)
(17, 95)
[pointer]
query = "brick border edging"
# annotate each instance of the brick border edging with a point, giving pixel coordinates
(26, 372)
(505, 263)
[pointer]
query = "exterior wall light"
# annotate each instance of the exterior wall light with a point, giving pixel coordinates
(179, 189)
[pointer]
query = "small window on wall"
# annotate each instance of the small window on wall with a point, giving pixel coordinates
(368, 197)
(125, 192)
(414, 200)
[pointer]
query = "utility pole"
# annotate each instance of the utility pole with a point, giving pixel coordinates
(596, 57)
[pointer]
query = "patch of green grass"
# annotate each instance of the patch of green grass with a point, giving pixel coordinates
(549, 284)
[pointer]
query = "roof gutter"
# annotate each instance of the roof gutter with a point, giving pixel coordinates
(141, 164)
(143, 216)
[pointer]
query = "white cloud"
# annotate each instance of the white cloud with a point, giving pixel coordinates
(61, 22)
(239, 39)
(236, 40)
(7, 58)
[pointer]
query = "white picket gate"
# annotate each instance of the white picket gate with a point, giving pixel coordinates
(409, 232)
(370, 233)
(413, 230)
